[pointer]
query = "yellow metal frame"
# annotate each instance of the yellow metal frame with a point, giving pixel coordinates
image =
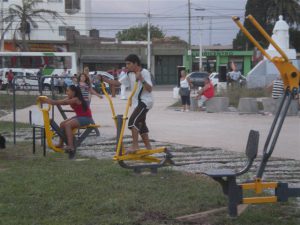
(291, 78)
(141, 154)
(48, 132)
(289, 73)
(258, 186)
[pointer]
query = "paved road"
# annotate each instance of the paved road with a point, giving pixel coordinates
(228, 131)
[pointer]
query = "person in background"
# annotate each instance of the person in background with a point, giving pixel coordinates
(39, 75)
(234, 76)
(10, 77)
(75, 79)
(205, 93)
(86, 88)
(184, 91)
(142, 100)
(124, 83)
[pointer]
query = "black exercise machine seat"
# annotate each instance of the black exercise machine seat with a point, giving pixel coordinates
(251, 153)
(227, 177)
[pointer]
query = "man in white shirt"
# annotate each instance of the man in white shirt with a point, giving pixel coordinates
(142, 100)
(123, 79)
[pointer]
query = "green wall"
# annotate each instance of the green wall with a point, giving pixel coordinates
(222, 57)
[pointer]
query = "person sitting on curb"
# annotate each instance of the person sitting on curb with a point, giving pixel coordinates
(83, 115)
(205, 93)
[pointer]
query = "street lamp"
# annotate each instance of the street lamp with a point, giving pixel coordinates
(200, 39)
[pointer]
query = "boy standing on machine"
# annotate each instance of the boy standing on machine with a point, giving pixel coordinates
(142, 100)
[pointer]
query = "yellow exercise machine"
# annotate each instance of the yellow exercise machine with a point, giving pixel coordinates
(143, 158)
(52, 129)
(227, 178)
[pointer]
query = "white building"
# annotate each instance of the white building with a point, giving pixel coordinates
(74, 12)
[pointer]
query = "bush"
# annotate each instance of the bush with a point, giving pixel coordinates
(235, 93)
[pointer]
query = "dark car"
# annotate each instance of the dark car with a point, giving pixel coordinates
(197, 78)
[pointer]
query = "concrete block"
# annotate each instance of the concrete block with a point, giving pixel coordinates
(293, 109)
(247, 105)
(271, 105)
(217, 104)
(194, 104)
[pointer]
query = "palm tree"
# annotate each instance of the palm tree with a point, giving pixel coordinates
(25, 16)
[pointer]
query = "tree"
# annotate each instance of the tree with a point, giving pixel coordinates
(139, 33)
(290, 9)
(267, 13)
(25, 16)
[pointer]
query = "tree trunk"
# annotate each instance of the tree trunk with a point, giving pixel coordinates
(24, 43)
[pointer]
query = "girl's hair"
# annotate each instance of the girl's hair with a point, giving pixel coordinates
(78, 94)
(87, 79)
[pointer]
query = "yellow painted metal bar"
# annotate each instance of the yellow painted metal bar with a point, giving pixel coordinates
(250, 37)
(110, 103)
(48, 132)
(129, 102)
(289, 73)
(141, 154)
(266, 35)
(258, 187)
(256, 200)
(133, 157)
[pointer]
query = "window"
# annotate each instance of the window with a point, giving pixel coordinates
(62, 30)
(72, 6)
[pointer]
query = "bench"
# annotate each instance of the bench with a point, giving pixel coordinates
(227, 177)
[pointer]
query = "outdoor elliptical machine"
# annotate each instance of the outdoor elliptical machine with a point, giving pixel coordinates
(227, 178)
(52, 129)
(142, 155)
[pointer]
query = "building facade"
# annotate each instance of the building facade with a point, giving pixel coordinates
(73, 12)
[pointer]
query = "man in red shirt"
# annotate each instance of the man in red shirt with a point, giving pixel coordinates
(10, 77)
(205, 93)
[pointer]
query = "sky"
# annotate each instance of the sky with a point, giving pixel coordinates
(212, 17)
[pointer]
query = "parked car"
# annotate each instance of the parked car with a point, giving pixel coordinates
(25, 79)
(197, 78)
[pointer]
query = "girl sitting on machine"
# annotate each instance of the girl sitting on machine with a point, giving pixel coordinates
(83, 115)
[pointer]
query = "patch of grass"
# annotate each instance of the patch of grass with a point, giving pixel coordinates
(54, 190)
(235, 93)
(7, 126)
(22, 101)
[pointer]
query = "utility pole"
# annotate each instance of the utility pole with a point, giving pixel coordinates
(210, 31)
(148, 40)
(189, 8)
(200, 51)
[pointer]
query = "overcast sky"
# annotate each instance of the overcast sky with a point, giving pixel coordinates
(214, 17)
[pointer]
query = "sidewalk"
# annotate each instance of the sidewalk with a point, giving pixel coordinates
(228, 131)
